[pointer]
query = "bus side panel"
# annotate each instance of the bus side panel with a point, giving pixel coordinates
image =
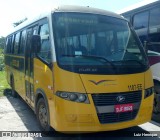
(43, 80)
(148, 79)
(15, 68)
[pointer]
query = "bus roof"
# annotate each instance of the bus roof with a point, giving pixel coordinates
(87, 9)
(67, 8)
(137, 5)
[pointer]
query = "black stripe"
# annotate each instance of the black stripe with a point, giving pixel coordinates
(15, 62)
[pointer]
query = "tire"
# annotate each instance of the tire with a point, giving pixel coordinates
(43, 116)
(156, 107)
(13, 92)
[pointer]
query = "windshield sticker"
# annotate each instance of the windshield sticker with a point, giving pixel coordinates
(78, 53)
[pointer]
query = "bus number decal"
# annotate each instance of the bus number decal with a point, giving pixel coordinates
(135, 87)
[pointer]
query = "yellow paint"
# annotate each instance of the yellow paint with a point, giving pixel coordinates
(71, 116)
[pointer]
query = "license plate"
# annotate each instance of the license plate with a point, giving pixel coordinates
(123, 108)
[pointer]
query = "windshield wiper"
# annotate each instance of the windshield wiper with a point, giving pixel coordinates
(94, 57)
(132, 60)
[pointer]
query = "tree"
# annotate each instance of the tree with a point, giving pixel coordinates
(2, 42)
(19, 22)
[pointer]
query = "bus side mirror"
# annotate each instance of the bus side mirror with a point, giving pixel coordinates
(36, 44)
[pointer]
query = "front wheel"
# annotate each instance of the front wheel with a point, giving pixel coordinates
(43, 116)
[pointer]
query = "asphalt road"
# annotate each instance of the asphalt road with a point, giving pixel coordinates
(15, 115)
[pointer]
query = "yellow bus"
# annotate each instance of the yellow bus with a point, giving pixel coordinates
(80, 69)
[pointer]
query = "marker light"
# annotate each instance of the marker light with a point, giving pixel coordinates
(148, 92)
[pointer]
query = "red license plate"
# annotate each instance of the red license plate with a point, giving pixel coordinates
(123, 108)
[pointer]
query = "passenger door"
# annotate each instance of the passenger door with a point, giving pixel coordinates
(29, 71)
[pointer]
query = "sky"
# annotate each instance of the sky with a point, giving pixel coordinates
(12, 11)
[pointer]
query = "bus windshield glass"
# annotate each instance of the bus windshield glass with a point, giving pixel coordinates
(97, 44)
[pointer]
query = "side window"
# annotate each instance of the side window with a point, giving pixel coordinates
(16, 43)
(140, 20)
(154, 17)
(22, 42)
(140, 23)
(9, 44)
(45, 52)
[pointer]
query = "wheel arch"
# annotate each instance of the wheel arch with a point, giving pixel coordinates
(41, 94)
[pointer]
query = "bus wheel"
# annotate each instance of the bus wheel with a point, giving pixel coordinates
(42, 116)
(156, 107)
(13, 92)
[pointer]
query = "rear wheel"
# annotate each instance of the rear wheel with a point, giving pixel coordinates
(13, 92)
(43, 116)
(156, 107)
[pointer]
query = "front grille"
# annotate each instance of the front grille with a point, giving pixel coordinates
(116, 117)
(108, 100)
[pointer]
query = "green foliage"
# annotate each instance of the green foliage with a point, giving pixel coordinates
(2, 42)
(2, 45)
(3, 84)
(1, 60)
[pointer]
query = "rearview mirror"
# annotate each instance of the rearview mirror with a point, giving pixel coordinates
(36, 44)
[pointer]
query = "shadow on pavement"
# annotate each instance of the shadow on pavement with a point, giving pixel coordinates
(23, 110)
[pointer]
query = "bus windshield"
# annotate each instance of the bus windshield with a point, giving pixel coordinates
(97, 44)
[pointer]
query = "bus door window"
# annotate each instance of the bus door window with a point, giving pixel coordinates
(29, 66)
(27, 52)
(45, 52)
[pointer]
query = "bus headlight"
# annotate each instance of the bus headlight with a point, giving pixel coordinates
(82, 98)
(148, 92)
(73, 96)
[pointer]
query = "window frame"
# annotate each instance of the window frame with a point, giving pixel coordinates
(138, 13)
(22, 44)
(41, 23)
